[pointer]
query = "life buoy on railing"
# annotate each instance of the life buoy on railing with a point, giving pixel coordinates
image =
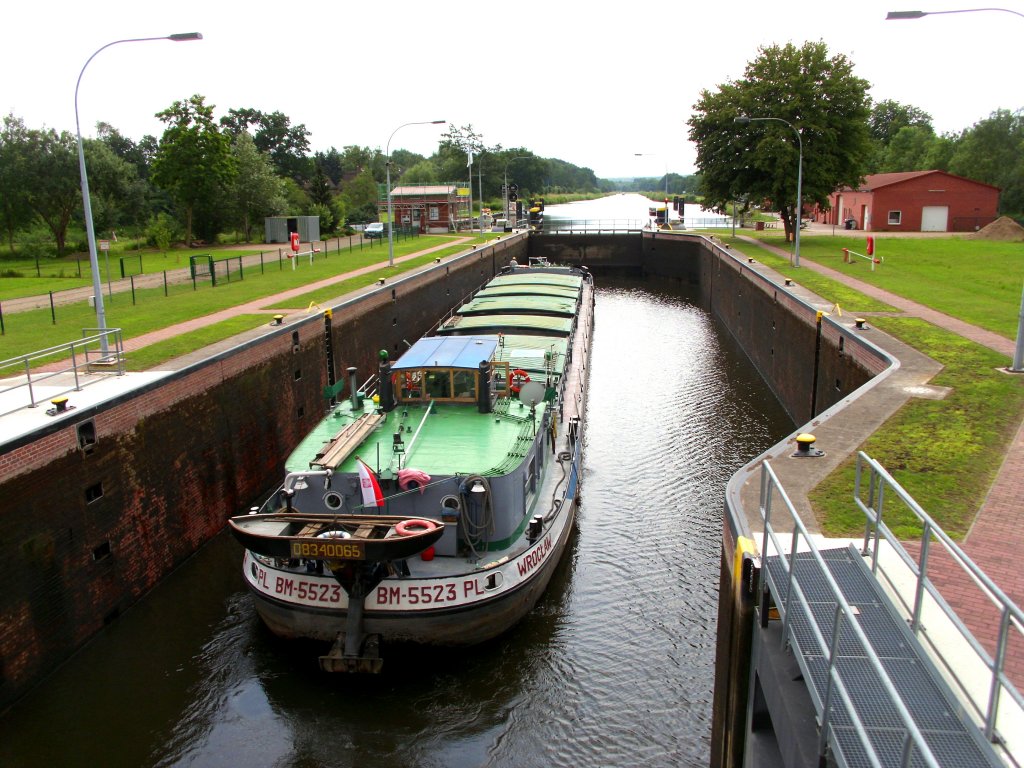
(516, 379)
(415, 526)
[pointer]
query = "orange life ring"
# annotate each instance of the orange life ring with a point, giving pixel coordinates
(516, 379)
(415, 526)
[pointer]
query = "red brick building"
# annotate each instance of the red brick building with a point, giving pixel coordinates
(431, 208)
(914, 201)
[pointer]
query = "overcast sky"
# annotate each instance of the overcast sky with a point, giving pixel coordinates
(590, 83)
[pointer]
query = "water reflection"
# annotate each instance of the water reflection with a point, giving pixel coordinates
(613, 668)
(626, 211)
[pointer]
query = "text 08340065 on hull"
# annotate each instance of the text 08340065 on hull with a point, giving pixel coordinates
(432, 505)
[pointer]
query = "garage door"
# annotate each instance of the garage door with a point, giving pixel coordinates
(934, 218)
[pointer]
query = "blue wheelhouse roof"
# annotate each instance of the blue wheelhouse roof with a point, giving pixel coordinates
(447, 352)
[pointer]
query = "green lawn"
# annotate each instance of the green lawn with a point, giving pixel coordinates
(25, 332)
(946, 452)
(22, 276)
(978, 281)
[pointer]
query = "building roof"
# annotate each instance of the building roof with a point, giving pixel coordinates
(432, 190)
(876, 180)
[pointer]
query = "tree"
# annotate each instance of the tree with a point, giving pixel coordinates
(889, 117)
(818, 96)
(15, 211)
(193, 162)
(909, 150)
(360, 197)
(286, 145)
(991, 152)
(423, 172)
(117, 193)
(52, 177)
(330, 163)
(256, 191)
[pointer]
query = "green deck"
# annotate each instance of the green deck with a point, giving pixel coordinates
(454, 438)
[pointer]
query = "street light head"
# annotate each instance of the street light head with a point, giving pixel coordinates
(181, 37)
(741, 120)
(894, 15)
(438, 122)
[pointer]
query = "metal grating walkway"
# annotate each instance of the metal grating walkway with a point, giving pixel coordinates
(942, 721)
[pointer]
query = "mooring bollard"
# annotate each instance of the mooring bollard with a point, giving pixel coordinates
(804, 447)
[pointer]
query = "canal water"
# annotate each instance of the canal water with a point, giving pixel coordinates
(613, 668)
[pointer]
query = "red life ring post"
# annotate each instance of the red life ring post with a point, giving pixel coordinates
(516, 379)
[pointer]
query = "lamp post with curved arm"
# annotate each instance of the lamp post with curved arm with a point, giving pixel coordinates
(744, 120)
(90, 232)
(387, 172)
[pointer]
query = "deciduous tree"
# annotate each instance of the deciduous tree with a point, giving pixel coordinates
(15, 211)
(193, 162)
(256, 190)
(818, 95)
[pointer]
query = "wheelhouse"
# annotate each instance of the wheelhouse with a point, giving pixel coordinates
(454, 369)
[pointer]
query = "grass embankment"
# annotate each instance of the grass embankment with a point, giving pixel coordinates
(977, 281)
(944, 452)
(26, 332)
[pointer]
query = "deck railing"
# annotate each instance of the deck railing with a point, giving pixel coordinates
(66, 365)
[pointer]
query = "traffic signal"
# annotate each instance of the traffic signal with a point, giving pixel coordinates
(513, 192)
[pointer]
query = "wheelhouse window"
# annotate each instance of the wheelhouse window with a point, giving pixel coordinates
(436, 384)
(895, 217)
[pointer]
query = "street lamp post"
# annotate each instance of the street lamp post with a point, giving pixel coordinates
(899, 15)
(387, 169)
(744, 120)
(1018, 352)
(90, 232)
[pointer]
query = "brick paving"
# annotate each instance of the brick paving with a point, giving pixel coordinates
(997, 533)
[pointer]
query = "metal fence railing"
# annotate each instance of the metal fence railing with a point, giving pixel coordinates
(876, 493)
(836, 702)
(61, 369)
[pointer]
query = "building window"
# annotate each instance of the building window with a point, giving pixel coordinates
(895, 217)
(435, 213)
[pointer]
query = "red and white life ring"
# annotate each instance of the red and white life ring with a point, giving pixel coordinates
(516, 379)
(414, 526)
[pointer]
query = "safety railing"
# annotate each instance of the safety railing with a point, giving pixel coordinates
(870, 495)
(64, 366)
(554, 226)
(843, 624)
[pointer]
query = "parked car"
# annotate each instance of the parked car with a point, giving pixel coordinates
(376, 229)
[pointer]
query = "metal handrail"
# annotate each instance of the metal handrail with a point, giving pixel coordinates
(841, 620)
(81, 356)
(1010, 614)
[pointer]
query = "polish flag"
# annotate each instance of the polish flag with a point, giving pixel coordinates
(372, 496)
